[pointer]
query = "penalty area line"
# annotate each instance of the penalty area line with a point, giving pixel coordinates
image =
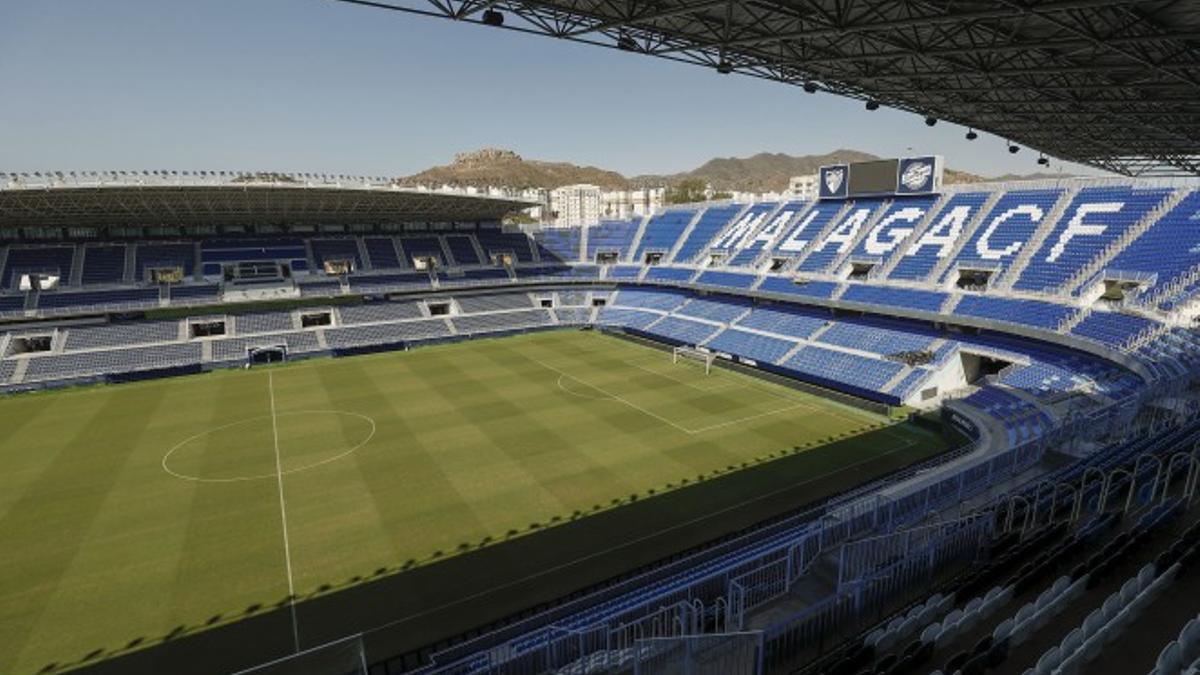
(287, 548)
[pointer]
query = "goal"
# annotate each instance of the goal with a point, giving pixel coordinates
(693, 355)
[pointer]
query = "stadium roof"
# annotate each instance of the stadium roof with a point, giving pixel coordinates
(118, 200)
(1110, 83)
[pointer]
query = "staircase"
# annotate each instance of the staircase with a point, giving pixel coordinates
(581, 254)
(1069, 324)
(445, 246)
(198, 262)
(77, 257)
(401, 255)
(368, 264)
(130, 264)
(885, 270)
(478, 248)
(309, 255)
(969, 231)
(1031, 248)
(18, 375)
(1071, 285)
(637, 239)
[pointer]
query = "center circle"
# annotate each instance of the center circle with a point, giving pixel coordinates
(247, 449)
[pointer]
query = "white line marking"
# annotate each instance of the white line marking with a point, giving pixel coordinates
(234, 479)
(610, 395)
(287, 547)
(720, 425)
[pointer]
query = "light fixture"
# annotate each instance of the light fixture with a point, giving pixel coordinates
(810, 87)
(930, 121)
(872, 104)
(626, 43)
(1014, 149)
(724, 67)
(493, 18)
(1044, 160)
(971, 135)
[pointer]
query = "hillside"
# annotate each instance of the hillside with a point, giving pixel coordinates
(495, 167)
(764, 172)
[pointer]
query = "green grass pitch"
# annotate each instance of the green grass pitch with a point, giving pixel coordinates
(128, 510)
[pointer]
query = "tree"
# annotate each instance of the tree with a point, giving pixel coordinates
(686, 191)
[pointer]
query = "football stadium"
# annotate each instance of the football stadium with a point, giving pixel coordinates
(263, 423)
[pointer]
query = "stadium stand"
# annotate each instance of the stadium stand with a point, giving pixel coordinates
(1076, 401)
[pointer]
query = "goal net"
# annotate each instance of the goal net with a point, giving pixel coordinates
(694, 356)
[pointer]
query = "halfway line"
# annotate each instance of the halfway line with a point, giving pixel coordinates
(287, 548)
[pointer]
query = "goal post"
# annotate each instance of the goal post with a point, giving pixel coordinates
(693, 355)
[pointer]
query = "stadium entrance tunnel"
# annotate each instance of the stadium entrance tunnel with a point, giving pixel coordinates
(267, 355)
(244, 450)
(977, 367)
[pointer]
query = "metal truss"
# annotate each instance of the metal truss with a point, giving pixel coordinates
(1110, 83)
(225, 205)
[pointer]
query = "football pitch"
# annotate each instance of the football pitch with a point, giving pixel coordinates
(133, 511)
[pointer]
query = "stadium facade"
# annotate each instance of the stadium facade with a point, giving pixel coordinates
(1049, 321)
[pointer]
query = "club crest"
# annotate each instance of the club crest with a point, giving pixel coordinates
(916, 175)
(833, 180)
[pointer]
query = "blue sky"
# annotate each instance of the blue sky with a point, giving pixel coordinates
(314, 85)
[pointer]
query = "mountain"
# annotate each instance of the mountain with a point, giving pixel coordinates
(496, 167)
(764, 172)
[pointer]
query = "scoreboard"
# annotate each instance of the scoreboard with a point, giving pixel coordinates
(882, 178)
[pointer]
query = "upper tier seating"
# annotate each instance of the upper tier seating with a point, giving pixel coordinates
(1006, 229)
(423, 247)
(559, 244)
(821, 254)
(891, 228)
(663, 231)
(798, 233)
(711, 221)
(740, 233)
(495, 242)
(765, 227)
(284, 249)
(325, 250)
(43, 260)
(182, 255)
(1169, 249)
(626, 318)
(103, 265)
(462, 249)
(100, 300)
(382, 252)
(612, 236)
(1096, 218)
(935, 242)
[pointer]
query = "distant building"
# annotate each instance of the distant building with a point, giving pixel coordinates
(803, 187)
(575, 205)
(625, 204)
